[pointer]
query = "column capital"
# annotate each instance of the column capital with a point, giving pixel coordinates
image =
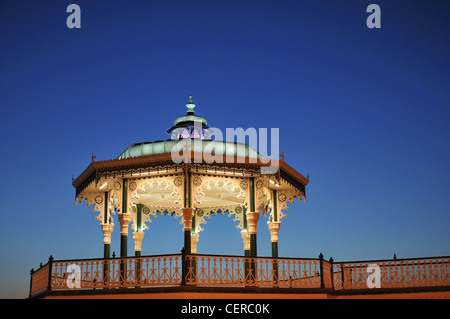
(274, 227)
(107, 230)
(252, 221)
(124, 219)
(246, 238)
(188, 213)
(137, 237)
(194, 241)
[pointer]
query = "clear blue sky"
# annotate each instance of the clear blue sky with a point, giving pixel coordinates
(364, 111)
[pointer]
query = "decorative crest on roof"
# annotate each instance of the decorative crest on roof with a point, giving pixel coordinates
(190, 106)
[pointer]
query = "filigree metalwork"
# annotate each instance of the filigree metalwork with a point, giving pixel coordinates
(287, 197)
(138, 169)
(149, 185)
(95, 199)
(207, 212)
(263, 195)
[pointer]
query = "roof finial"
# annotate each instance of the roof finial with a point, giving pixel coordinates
(190, 106)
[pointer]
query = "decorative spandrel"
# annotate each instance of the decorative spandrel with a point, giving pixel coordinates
(218, 195)
(159, 195)
(95, 195)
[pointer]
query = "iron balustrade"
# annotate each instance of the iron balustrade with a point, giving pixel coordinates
(239, 271)
(397, 273)
(234, 271)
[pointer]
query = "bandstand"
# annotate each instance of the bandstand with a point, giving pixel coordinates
(191, 178)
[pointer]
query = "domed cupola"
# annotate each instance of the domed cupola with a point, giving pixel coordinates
(190, 125)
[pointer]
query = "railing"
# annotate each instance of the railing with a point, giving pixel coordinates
(399, 273)
(234, 271)
(130, 272)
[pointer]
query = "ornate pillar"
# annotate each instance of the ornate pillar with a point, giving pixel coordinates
(252, 221)
(188, 213)
(274, 227)
(124, 220)
(106, 230)
(138, 236)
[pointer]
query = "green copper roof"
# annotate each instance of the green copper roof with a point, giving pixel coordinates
(196, 145)
(185, 132)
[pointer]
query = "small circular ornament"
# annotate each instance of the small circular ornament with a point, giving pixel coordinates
(282, 197)
(177, 181)
(98, 199)
(133, 186)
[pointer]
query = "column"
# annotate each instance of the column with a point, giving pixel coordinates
(274, 225)
(107, 229)
(273, 228)
(138, 236)
(244, 233)
(188, 213)
(252, 219)
(124, 220)
(252, 222)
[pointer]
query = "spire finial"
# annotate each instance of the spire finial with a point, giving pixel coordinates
(190, 106)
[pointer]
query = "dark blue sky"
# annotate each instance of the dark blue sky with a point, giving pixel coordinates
(364, 111)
